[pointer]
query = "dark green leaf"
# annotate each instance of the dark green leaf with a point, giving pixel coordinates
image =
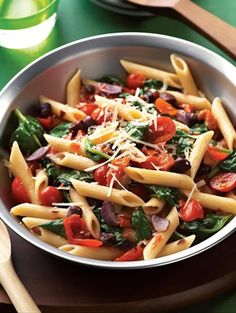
(138, 129)
(109, 79)
(169, 194)
(55, 226)
(65, 176)
(199, 128)
(59, 175)
(206, 227)
(229, 164)
(183, 141)
(153, 84)
(93, 153)
(29, 133)
(61, 130)
(141, 225)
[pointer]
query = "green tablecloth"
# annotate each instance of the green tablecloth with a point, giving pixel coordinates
(82, 18)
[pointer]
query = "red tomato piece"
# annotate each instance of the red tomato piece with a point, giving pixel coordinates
(163, 161)
(162, 130)
(122, 163)
(49, 195)
(19, 193)
(133, 254)
(217, 153)
(209, 119)
(88, 108)
(223, 182)
(164, 107)
(99, 116)
(135, 80)
(192, 211)
(100, 174)
(46, 122)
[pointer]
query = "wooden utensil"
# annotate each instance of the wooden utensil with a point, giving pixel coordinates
(9, 279)
(223, 34)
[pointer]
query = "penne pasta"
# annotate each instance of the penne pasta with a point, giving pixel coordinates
(122, 197)
(20, 168)
(169, 78)
(184, 74)
(177, 246)
(71, 160)
(198, 151)
(224, 122)
(100, 253)
(65, 145)
(73, 90)
(158, 241)
(63, 111)
(41, 182)
(153, 206)
(39, 211)
(198, 103)
(213, 202)
(162, 178)
(88, 215)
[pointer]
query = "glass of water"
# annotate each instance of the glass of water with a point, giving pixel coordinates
(26, 23)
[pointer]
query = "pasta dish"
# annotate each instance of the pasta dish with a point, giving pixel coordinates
(128, 168)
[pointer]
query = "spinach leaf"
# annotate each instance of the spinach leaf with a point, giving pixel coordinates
(29, 133)
(183, 141)
(199, 128)
(206, 227)
(138, 129)
(65, 176)
(110, 79)
(55, 226)
(141, 225)
(93, 153)
(153, 84)
(61, 130)
(58, 175)
(137, 105)
(169, 194)
(229, 164)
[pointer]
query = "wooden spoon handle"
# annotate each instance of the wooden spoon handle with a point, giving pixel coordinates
(15, 289)
(223, 34)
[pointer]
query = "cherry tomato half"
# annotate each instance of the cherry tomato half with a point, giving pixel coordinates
(163, 161)
(162, 130)
(217, 153)
(49, 195)
(223, 182)
(192, 211)
(135, 80)
(19, 193)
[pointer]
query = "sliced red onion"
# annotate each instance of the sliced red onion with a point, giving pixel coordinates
(38, 154)
(108, 88)
(159, 223)
(108, 213)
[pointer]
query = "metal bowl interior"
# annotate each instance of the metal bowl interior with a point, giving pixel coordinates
(97, 56)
